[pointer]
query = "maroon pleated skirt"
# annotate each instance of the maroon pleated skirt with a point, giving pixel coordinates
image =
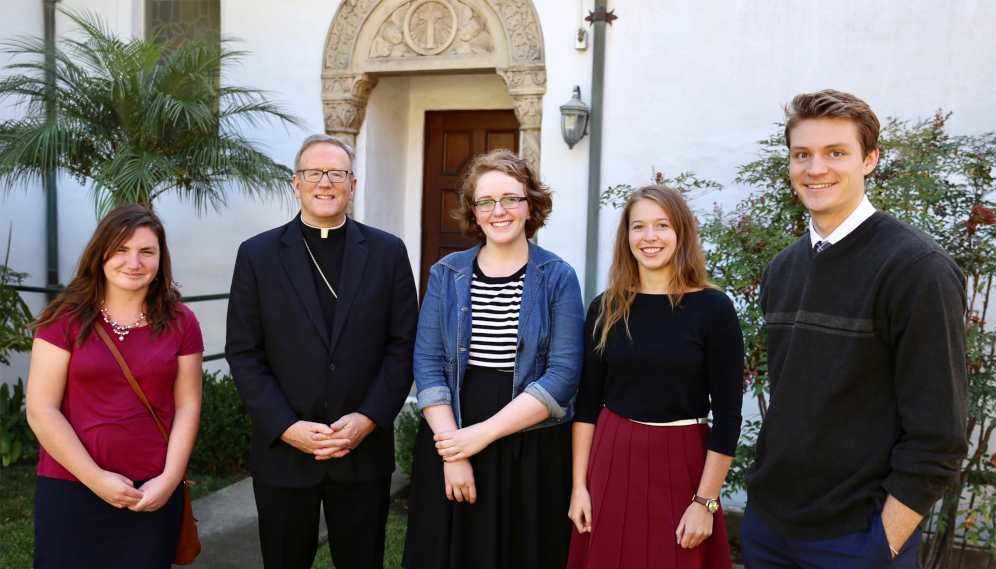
(641, 479)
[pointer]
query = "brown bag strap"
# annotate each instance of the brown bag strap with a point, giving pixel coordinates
(131, 378)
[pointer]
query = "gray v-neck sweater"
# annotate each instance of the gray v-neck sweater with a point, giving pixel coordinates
(866, 357)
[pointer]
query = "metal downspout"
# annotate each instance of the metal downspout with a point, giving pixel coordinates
(51, 196)
(595, 153)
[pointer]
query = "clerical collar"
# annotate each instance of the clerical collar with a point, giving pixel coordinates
(324, 230)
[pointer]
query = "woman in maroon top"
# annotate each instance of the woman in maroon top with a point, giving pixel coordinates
(109, 489)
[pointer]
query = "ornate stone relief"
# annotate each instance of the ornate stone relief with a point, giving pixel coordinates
(523, 30)
(430, 28)
(527, 84)
(343, 32)
(524, 79)
(472, 37)
(529, 111)
(426, 28)
(345, 97)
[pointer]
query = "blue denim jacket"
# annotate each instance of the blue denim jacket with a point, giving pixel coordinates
(551, 334)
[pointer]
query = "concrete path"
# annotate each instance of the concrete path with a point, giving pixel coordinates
(229, 530)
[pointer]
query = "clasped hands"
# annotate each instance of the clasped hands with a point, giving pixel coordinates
(463, 443)
(329, 441)
(119, 491)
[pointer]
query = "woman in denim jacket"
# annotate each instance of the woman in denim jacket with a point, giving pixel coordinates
(497, 362)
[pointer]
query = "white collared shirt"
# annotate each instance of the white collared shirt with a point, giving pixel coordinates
(864, 210)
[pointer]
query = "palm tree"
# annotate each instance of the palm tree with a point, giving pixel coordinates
(136, 118)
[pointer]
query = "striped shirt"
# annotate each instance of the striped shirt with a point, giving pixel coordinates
(494, 305)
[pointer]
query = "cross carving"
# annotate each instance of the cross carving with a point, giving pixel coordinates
(428, 16)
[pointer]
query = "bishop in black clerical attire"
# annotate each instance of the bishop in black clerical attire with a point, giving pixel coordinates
(321, 333)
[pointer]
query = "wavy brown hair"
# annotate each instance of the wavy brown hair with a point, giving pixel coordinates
(538, 195)
(81, 299)
(624, 274)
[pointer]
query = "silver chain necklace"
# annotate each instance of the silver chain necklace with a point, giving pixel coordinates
(120, 331)
(319, 269)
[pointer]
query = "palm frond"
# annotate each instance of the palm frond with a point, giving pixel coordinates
(137, 119)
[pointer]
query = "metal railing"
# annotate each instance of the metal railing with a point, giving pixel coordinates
(185, 299)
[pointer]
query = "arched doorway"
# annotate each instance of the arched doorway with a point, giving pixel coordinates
(377, 41)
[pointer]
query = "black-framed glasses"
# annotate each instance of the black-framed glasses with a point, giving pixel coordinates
(315, 176)
(506, 203)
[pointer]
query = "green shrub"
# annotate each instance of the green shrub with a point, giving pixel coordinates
(223, 438)
(15, 336)
(404, 433)
(17, 440)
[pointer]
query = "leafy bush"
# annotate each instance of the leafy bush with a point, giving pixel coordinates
(17, 440)
(405, 430)
(15, 336)
(735, 481)
(223, 439)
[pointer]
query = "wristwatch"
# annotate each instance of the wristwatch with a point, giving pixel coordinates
(711, 504)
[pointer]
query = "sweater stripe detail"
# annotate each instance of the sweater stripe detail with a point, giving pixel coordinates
(824, 329)
(828, 322)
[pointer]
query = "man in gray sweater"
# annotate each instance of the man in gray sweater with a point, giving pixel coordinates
(866, 356)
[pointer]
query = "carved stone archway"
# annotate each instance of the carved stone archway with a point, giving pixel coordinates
(369, 38)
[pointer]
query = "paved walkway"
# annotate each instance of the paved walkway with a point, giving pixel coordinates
(229, 530)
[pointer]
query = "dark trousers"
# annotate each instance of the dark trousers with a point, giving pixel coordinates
(356, 515)
(763, 548)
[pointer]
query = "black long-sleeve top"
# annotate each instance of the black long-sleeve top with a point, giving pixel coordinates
(679, 363)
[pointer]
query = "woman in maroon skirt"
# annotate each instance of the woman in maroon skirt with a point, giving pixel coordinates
(663, 348)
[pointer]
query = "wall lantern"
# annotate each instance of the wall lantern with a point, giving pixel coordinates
(574, 119)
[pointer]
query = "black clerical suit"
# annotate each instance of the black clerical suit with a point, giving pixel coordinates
(298, 353)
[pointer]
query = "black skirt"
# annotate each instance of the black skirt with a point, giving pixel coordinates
(75, 528)
(523, 493)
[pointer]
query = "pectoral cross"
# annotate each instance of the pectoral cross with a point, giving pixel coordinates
(429, 19)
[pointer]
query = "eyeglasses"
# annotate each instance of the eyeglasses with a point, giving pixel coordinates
(506, 203)
(315, 176)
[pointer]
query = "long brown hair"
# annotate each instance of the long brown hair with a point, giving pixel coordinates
(624, 274)
(82, 298)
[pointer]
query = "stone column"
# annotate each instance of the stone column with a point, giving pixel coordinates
(527, 85)
(344, 97)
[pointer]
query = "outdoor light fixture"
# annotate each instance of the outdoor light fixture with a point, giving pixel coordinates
(574, 119)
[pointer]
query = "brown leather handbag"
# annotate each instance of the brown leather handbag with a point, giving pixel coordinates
(189, 544)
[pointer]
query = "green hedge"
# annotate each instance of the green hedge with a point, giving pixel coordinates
(225, 433)
(17, 440)
(405, 430)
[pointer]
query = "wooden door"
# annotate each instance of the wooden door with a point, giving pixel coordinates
(452, 139)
